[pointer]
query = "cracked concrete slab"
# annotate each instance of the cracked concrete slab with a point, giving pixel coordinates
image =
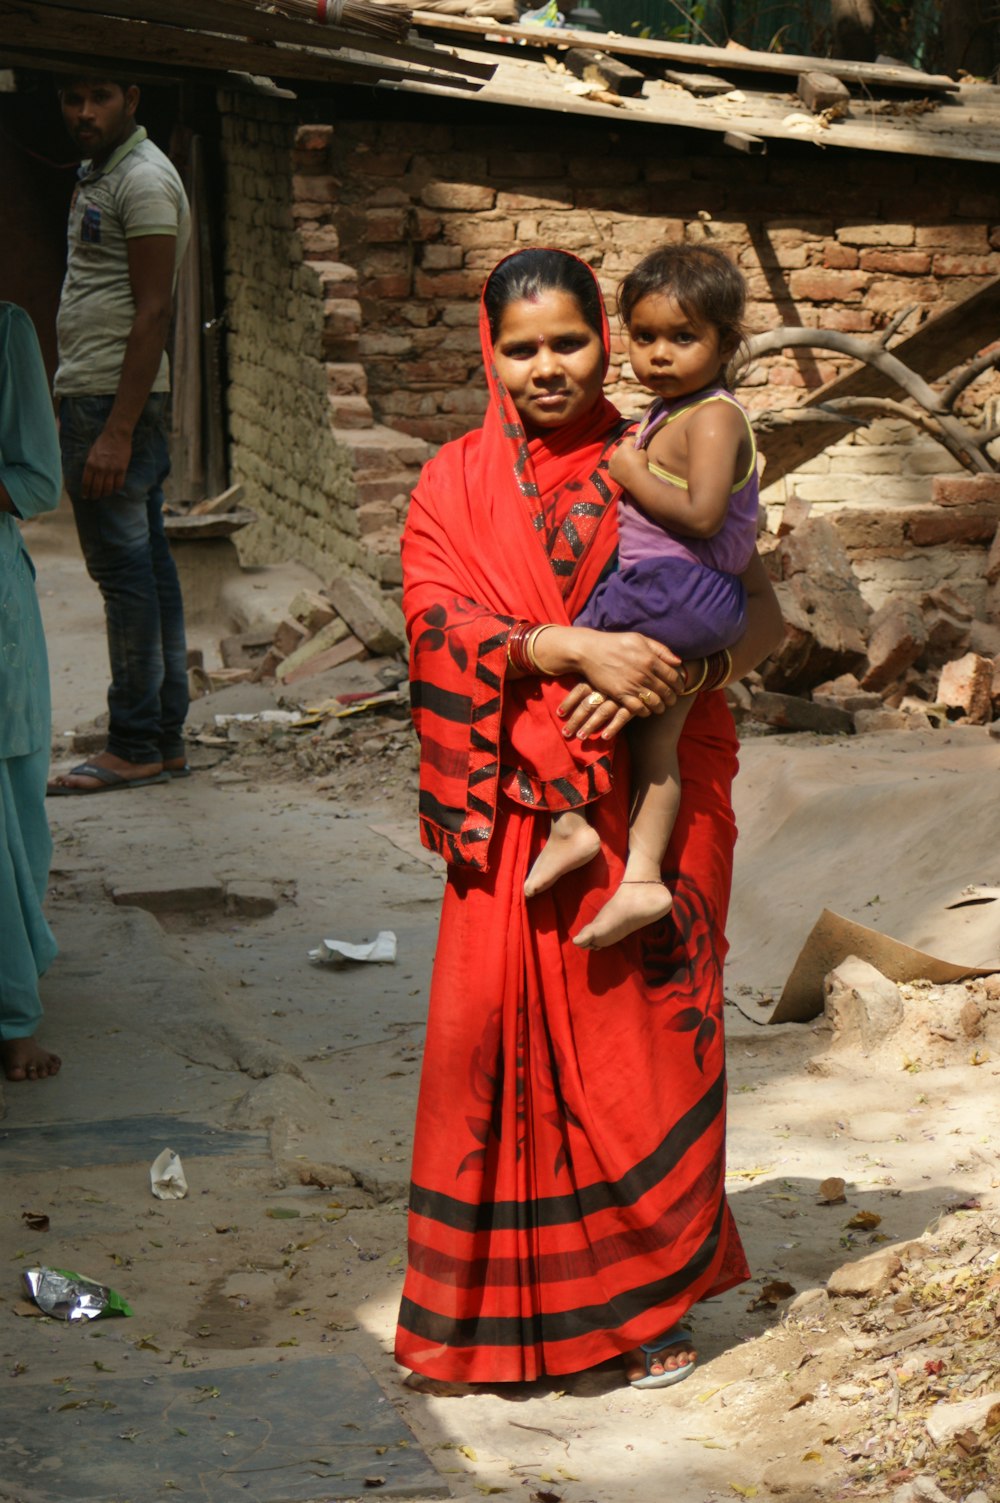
(277, 1432)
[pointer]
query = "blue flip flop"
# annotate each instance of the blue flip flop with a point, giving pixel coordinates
(652, 1350)
(109, 780)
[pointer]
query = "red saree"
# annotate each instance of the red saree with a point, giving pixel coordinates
(567, 1194)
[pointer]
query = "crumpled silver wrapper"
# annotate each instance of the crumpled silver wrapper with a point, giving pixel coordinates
(67, 1298)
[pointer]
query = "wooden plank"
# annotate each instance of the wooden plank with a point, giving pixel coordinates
(241, 19)
(939, 345)
(821, 91)
(73, 35)
(698, 84)
(753, 146)
(509, 88)
(680, 52)
(598, 67)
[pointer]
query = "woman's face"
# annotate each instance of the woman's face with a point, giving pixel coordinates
(550, 360)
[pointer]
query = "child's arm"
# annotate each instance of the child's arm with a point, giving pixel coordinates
(717, 439)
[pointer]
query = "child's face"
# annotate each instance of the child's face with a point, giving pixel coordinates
(673, 354)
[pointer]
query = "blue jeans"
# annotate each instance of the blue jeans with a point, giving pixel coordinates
(128, 557)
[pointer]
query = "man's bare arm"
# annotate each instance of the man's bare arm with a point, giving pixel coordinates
(151, 274)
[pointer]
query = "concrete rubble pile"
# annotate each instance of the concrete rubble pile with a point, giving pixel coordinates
(912, 664)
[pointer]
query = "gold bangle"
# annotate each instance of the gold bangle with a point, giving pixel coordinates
(729, 667)
(529, 645)
(686, 693)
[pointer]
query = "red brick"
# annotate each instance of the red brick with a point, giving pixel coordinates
(842, 320)
(468, 196)
(441, 257)
(313, 137)
(897, 262)
(967, 685)
(932, 528)
(341, 316)
(447, 284)
(322, 188)
(393, 285)
(320, 242)
(966, 266)
(961, 490)
(545, 196)
(961, 238)
(818, 286)
(383, 260)
(347, 651)
(424, 226)
(877, 234)
(309, 163)
(382, 225)
(885, 297)
(467, 230)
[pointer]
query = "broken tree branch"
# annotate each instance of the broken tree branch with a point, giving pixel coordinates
(957, 438)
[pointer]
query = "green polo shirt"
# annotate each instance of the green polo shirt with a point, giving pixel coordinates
(136, 192)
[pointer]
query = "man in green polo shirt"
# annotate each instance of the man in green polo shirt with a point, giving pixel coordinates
(129, 225)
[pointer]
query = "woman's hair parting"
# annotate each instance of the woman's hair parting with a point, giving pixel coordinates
(702, 281)
(529, 274)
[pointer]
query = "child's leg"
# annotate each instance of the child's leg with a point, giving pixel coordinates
(571, 843)
(642, 897)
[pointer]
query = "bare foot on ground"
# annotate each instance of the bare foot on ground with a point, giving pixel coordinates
(572, 843)
(24, 1059)
(439, 1388)
(680, 1354)
(632, 907)
(129, 771)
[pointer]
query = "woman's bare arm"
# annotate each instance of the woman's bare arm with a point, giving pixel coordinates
(765, 627)
(763, 634)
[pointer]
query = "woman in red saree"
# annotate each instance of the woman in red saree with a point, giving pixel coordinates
(567, 1201)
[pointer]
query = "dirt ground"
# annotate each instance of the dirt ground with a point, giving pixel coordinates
(184, 994)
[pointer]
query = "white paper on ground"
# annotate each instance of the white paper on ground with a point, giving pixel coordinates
(337, 951)
(166, 1176)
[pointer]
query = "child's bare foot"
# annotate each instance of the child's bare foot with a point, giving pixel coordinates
(23, 1059)
(632, 907)
(571, 844)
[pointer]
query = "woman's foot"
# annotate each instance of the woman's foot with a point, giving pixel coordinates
(632, 907)
(24, 1059)
(665, 1364)
(571, 844)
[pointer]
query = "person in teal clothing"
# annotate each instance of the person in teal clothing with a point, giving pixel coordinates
(30, 482)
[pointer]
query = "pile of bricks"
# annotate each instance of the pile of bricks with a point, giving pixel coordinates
(915, 661)
(321, 630)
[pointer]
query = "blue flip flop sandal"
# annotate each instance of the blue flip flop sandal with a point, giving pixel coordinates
(669, 1376)
(109, 780)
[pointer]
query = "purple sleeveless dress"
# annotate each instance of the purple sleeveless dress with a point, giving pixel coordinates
(683, 592)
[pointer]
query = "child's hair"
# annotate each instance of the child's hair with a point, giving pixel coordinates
(529, 274)
(705, 285)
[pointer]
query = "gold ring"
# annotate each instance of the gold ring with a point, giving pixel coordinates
(595, 699)
(645, 695)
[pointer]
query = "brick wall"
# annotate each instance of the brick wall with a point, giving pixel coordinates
(361, 247)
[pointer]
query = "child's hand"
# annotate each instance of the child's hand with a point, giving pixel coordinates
(626, 463)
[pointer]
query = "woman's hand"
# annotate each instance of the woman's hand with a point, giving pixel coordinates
(587, 713)
(633, 673)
